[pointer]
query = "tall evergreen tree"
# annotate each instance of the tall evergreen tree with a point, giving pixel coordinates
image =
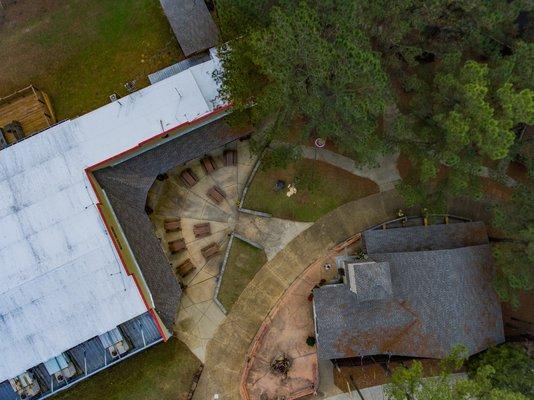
(408, 383)
(513, 366)
(459, 121)
(311, 64)
(515, 255)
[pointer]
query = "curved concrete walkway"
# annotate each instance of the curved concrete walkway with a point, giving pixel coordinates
(385, 174)
(227, 350)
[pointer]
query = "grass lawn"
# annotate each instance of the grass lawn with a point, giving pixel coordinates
(163, 372)
(244, 261)
(321, 188)
(81, 51)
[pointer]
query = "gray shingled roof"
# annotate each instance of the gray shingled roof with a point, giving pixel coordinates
(126, 185)
(441, 297)
(417, 238)
(369, 280)
(192, 24)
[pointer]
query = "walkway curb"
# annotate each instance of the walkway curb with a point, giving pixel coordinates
(249, 181)
(254, 212)
(221, 273)
(244, 239)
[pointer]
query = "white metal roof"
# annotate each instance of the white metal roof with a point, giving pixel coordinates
(61, 281)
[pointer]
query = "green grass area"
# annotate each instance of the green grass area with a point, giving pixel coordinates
(80, 51)
(321, 188)
(163, 372)
(244, 261)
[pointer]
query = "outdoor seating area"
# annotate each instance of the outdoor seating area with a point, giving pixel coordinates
(208, 164)
(216, 194)
(194, 230)
(190, 205)
(210, 251)
(202, 230)
(188, 178)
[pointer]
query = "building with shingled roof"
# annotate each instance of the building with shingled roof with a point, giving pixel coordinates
(421, 291)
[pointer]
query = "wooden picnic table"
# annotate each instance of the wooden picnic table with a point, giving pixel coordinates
(216, 194)
(202, 230)
(210, 251)
(185, 268)
(188, 178)
(177, 246)
(230, 158)
(172, 225)
(208, 164)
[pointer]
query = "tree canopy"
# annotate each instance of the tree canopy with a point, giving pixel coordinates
(513, 366)
(446, 83)
(311, 64)
(486, 381)
(459, 120)
(457, 72)
(515, 255)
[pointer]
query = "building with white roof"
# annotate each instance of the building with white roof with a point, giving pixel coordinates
(67, 272)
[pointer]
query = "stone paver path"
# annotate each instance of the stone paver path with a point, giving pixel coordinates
(226, 352)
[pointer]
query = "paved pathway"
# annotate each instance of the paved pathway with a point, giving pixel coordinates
(385, 174)
(272, 233)
(227, 350)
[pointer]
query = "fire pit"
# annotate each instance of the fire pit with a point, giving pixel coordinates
(280, 365)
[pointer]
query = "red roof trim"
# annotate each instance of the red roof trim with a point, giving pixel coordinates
(88, 172)
(203, 117)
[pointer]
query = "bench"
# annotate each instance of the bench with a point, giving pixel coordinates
(188, 178)
(185, 268)
(208, 164)
(202, 230)
(172, 225)
(230, 158)
(210, 251)
(216, 194)
(177, 246)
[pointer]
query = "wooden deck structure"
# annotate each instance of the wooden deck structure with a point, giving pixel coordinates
(29, 106)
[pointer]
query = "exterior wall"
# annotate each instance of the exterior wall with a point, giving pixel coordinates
(91, 358)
